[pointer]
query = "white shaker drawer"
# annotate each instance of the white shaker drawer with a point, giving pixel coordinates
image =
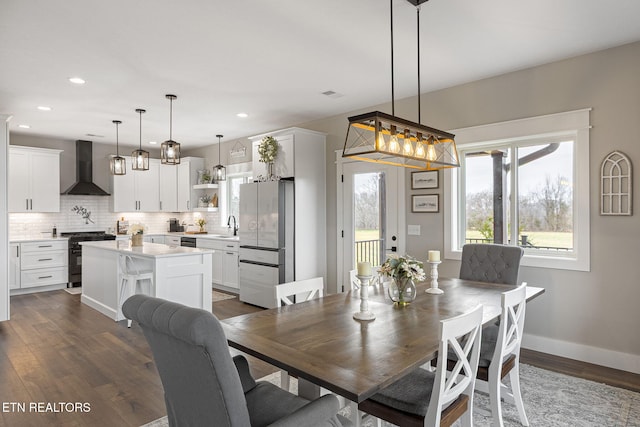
(30, 260)
(45, 245)
(43, 277)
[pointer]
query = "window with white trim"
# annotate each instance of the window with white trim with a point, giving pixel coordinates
(525, 183)
(233, 194)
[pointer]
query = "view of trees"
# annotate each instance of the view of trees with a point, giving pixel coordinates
(366, 200)
(548, 208)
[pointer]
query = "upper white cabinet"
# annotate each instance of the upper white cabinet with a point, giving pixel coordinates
(137, 191)
(301, 156)
(34, 177)
(168, 188)
(187, 177)
(284, 164)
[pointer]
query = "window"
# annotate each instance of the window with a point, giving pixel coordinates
(523, 183)
(233, 194)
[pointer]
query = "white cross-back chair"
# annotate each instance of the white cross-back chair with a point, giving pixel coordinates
(300, 291)
(425, 398)
(132, 279)
(501, 355)
(376, 278)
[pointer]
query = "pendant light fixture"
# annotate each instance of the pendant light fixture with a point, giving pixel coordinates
(170, 150)
(118, 164)
(140, 158)
(382, 138)
(219, 171)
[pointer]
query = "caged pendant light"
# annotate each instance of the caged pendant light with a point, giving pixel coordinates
(139, 157)
(170, 149)
(384, 138)
(118, 164)
(219, 171)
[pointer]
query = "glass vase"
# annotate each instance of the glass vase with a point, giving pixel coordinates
(269, 171)
(402, 291)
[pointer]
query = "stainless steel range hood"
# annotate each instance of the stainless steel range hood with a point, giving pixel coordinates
(84, 185)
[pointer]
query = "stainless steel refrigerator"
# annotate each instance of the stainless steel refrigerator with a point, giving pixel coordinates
(266, 240)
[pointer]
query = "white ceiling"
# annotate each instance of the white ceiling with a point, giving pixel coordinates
(270, 59)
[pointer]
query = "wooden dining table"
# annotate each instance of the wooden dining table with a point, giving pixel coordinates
(319, 341)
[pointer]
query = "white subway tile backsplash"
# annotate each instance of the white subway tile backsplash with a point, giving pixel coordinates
(35, 225)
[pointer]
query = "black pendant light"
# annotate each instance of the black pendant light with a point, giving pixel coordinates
(170, 150)
(385, 138)
(118, 164)
(140, 158)
(219, 171)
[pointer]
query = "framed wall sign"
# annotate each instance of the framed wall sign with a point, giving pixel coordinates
(426, 179)
(425, 203)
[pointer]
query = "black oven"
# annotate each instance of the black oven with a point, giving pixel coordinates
(75, 251)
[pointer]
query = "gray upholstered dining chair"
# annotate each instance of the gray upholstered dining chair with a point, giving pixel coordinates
(491, 263)
(427, 398)
(203, 385)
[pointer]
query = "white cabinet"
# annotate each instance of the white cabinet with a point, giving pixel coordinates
(43, 263)
(14, 265)
(224, 272)
(154, 238)
(34, 177)
(187, 178)
(168, 188)
(172, 240)
(137, 191)
(284, 164)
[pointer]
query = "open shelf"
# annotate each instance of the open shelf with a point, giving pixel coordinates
(204, 186)
(205, 209)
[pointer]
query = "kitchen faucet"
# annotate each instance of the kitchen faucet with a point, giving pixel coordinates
(235, 224)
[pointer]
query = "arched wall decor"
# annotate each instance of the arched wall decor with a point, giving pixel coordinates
(616, 189)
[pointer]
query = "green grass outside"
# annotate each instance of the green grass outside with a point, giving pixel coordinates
(538, 238)
(367, 235)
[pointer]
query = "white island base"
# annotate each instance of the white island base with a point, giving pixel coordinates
(180, 274)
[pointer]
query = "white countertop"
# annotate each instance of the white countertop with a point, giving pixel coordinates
(148, 250)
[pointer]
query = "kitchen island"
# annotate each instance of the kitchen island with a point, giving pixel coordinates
(180, 274)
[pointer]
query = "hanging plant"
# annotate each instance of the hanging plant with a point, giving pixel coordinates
(268, 149)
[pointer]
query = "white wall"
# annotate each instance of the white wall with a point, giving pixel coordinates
(4, 229)
(590, 316)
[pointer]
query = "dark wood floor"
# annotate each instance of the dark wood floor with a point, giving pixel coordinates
(55, 349)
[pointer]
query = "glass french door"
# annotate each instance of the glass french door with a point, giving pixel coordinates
(371, 210)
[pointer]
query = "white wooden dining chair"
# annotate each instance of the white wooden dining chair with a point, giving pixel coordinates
(297, 292)
(376, 278)
(500, 356)
(425, 398)
(131, 279)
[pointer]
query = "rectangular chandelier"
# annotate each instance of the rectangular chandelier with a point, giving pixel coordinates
(382, 138)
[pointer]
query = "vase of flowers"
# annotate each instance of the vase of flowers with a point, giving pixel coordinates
(403, 270)
(201, 222)
(136, 231)
(268, 151)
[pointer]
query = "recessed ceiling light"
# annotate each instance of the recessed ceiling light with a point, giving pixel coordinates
(153, 142)
(243, 115)
(24, 126)
(77, 80)
(44, 108)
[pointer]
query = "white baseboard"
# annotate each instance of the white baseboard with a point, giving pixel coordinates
(47, 288)
(107, 311)
(599, 356)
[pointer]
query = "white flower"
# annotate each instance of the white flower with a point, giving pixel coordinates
(404, 267)
(137, 229)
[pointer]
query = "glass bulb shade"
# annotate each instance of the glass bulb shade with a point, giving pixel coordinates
(372, 137)
(118, 165)
(431, 151)
(140, 160)
(170, 153)
(219, 173)
(407, 147)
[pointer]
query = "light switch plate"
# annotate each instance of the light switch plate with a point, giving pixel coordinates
(413, 230)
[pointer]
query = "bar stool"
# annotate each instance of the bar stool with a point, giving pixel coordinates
(129, 278)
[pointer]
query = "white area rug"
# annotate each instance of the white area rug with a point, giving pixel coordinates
(550, 400)
(220, 296)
